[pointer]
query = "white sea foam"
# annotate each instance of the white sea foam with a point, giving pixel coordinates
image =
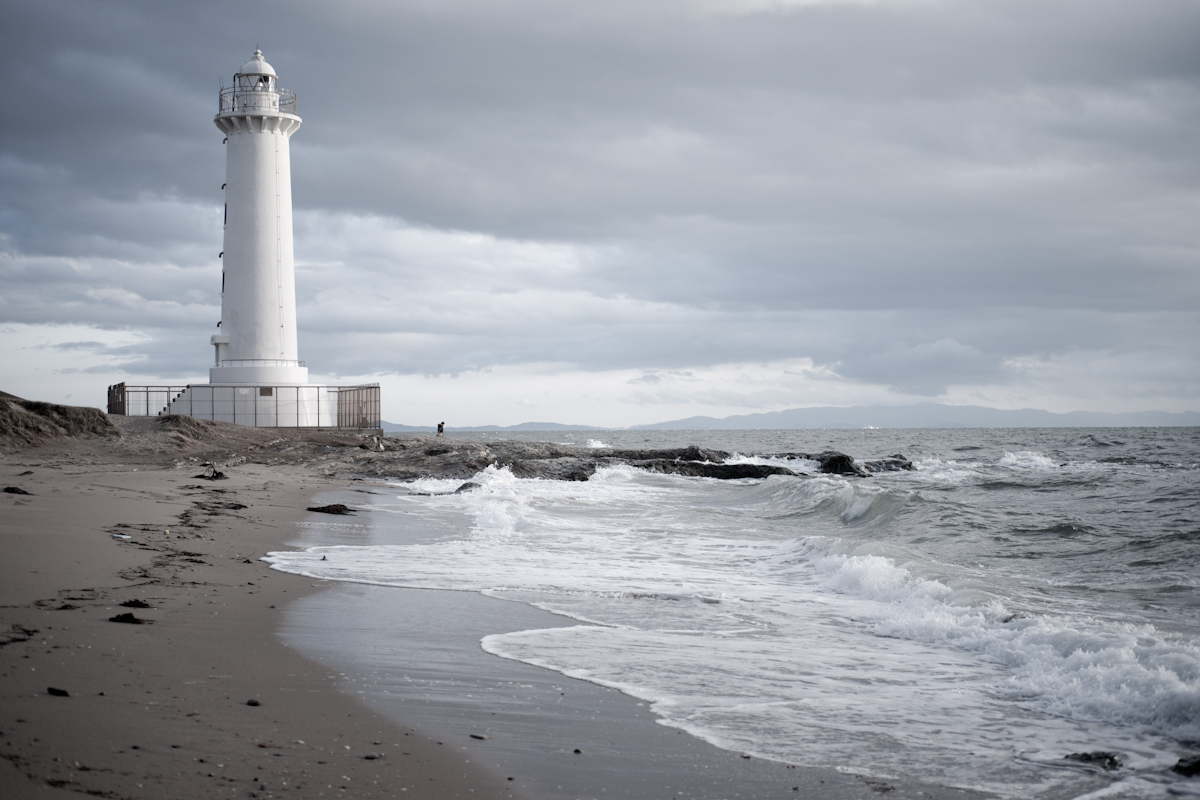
(595, 443)
(803, 645)
(1028, 460)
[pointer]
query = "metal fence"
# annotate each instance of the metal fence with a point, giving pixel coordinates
(236, 99)
(342, 407)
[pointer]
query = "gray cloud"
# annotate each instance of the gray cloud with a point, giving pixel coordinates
(915, 195)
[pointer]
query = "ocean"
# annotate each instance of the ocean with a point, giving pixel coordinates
(1022, 596)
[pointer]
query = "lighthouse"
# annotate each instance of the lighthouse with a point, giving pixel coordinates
(256, 343)
(257, 378)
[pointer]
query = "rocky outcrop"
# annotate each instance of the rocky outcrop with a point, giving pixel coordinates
(896, 463)
(411, 457)
(701, 469)
(831, 462)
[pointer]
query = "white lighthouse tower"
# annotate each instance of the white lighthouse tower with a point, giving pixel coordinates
(258, 378)
(256, 344)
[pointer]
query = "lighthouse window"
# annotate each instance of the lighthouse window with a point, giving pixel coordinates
(266, 391)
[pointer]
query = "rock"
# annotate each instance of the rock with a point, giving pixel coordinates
(467, 487)
(372, 756)
(15, 490)
(50, 690)
(1188, 767)
(894, 463)
(690, 453)
(136, 604)
(702, 469)
(478, 736)
(832, 462)
(1103, 759)
(253, 702)
(127, 618)
(835, 463)
(336, 508)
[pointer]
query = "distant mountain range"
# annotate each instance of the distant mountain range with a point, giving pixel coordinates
(928, 415)
(924, 415)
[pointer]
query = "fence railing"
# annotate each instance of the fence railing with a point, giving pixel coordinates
(235, 100)
(356, 407)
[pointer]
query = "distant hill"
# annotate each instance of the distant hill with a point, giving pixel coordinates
(391, 427)
(927, 415)
(924, 415)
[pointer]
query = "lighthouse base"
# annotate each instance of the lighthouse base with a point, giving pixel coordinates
(279, 406)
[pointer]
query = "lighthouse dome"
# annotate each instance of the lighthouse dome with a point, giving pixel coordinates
(257, 66)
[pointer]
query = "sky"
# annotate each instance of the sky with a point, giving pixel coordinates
(618, 212)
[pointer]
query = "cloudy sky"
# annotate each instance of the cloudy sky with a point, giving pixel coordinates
(625, 211)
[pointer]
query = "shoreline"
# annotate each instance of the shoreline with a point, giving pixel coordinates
(416, 655)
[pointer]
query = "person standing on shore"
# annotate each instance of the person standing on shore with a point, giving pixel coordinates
(441, 429)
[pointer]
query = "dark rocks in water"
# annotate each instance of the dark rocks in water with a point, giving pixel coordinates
(252, 702)
(555, 469)
(128, 618)
(419, 457)
(690, 453)
(893, 463)
(335, 508)
(16, 490)
(136, 604)
(1103, 759)
(702, 469)
(1188, 767)
(835, 463)
(467, 487)
(50, 690)
(832, 462)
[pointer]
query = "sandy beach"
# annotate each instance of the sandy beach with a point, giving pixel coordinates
(160, 709)
(204, 699)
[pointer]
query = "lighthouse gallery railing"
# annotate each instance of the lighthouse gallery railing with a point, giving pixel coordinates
(236, 100)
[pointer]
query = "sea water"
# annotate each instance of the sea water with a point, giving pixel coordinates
(1022, 596)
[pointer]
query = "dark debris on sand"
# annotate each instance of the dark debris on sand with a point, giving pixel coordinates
(335, 508)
